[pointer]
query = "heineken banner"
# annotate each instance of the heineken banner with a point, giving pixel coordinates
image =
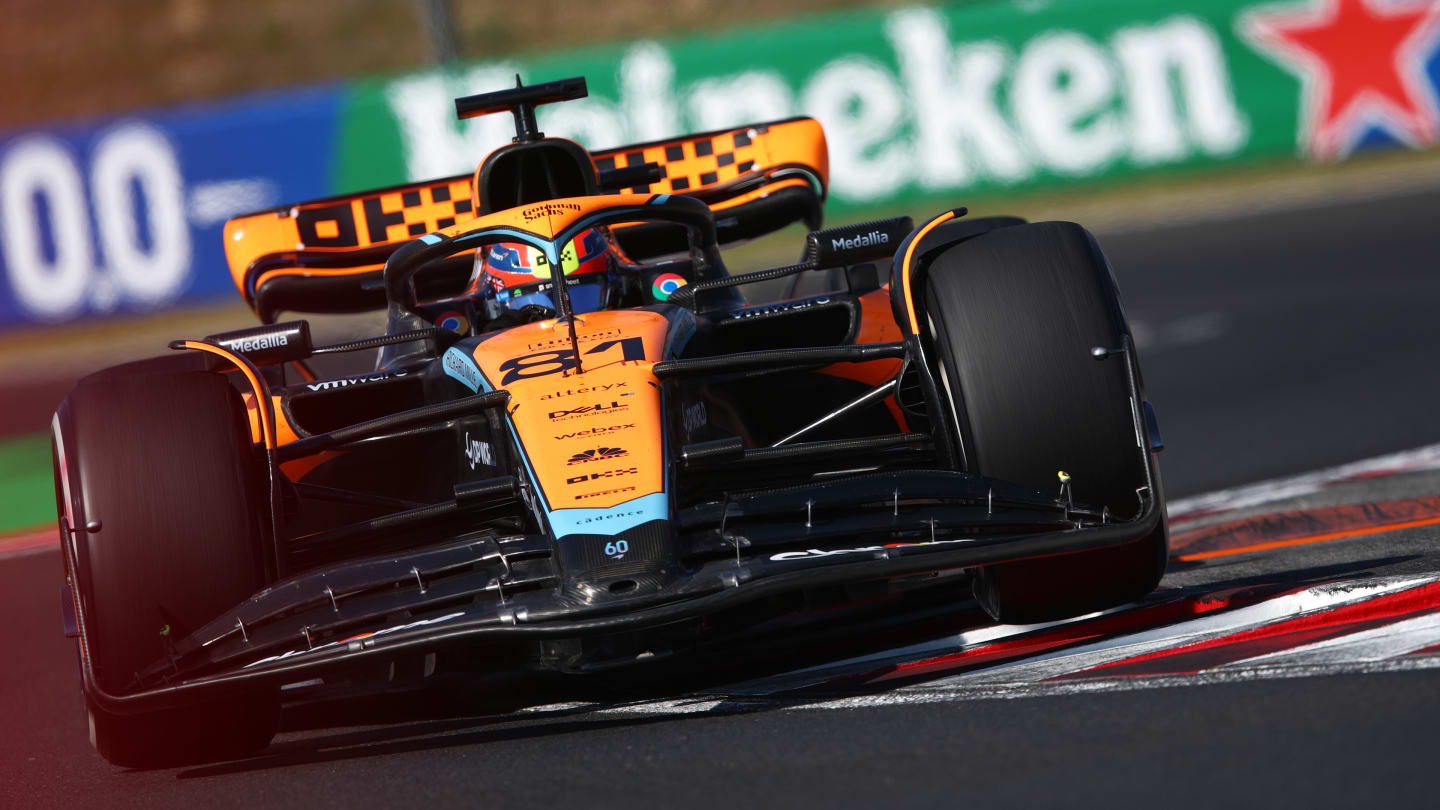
(924, 102)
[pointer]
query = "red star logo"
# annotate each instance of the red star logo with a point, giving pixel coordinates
(1361, 64)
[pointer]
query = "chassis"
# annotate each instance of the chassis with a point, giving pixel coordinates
(594, 490)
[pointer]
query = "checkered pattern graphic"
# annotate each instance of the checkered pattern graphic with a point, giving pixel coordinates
(403, 213)
(688, 164)
(409, 212)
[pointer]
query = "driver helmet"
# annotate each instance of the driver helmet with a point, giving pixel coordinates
(513, 275)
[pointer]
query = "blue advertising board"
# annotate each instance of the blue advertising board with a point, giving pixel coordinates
(126, 216)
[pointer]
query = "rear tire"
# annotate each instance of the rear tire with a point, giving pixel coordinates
(164, 463)
(1013, 314)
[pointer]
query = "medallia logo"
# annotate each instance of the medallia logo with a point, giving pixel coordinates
(1363, 70)
(863, 240)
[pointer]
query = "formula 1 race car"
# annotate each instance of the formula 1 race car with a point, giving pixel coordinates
(579, 447)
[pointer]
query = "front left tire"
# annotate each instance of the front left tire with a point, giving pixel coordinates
(164, 463)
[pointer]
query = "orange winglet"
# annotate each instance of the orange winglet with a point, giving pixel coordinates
(262, 393)
(905, 264)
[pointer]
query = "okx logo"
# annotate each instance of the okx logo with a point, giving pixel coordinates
(580, 479)
(587, 410)
(598, 454)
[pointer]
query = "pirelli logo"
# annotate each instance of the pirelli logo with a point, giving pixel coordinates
(391, 216)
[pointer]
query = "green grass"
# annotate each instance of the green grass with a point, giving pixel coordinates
(27, 488)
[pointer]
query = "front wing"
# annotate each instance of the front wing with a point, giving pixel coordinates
(486, 589)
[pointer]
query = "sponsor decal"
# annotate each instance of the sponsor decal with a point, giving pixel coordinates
(931, 99)
(598, 454)
(346, 382)
(355, 639)
(455, 321)
(665, 285)
(605, 492)
(599, 409)
(1348, 89)
(580, 479)
(816, 553)
(774, 309)
(695, 418)
(250, 344)
(462, 368)
(593, 432)
(610, 516)
(863, 240)
(478, 452)
(593, 389)
(563, 342)
(555, 361)
(534, 212)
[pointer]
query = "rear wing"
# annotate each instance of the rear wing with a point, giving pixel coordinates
(326, 256)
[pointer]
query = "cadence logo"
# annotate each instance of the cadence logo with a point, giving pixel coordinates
(598, 454)
(587, 410)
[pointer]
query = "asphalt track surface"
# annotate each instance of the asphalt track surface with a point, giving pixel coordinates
(1273, 344)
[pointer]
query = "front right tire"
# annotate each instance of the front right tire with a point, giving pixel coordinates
(1011, 317)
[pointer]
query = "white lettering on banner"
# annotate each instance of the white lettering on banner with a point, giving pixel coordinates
(859, 104)
(960, 132)
(137, 154)
(42, 168)
(130, 156)
(957, 113)
(1063, 94)
(435, 144)
(1187, 50)
(731, 101)
(647, 92)
(584, 120)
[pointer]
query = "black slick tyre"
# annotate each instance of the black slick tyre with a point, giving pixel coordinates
(1012, 315)
(164, 463)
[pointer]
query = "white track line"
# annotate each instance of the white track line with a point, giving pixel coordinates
(1206, 627)
(1244, 497)
(1365, 651)
(1376, 644)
